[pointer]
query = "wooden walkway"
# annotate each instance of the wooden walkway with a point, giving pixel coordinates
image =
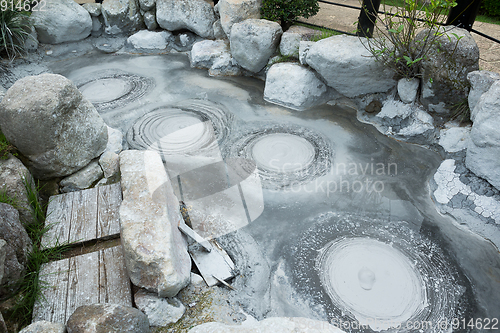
(83, 215)
(96, 277)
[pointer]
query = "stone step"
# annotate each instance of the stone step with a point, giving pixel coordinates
(96, 277)
(83, 215)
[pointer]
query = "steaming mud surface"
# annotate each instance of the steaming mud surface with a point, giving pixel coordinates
(347, 230)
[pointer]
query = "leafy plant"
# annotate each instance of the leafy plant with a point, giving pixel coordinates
(491, 8)
(13, 34)
(287, 11)
(396, 45)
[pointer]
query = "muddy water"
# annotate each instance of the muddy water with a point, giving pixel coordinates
(341, 226)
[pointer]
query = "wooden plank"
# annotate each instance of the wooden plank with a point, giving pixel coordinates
(114, 283)
(108, 203)
(84, 216)
(51, 306)
(96, 277)
(83, 281)
(59, 220)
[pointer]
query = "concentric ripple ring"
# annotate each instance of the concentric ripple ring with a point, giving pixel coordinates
(114, 89)
(185, 128)
(379, 274)
(286, 155)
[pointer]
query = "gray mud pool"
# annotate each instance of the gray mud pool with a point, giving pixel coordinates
(324, 216)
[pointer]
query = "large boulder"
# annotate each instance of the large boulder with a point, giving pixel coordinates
(444, 70)
(289, 45)
(18, 245)
(270, 325)
(235, 11)
(109, 318)
(294, 86)
(205, 52)
(47, 118)
(121, 16)
(480, 82)
(484, 146)
(195, 15)
(14, 177)
(253, 42)
(347, 66)
(155, 251)
(61, 21)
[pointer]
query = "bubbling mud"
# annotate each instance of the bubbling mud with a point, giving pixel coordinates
(114, 89)
(379, 274)
(187, 127)
(285, 155)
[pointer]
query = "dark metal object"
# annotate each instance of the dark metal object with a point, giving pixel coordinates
(464, 14)
(367, 18)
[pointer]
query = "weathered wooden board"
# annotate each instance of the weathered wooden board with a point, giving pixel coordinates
(83, 215)
(96, 277)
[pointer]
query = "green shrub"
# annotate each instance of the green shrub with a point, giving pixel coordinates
(490, 7)
(287, 11)
(13, 26)
(395, 44)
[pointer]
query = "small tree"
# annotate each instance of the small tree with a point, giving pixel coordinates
(395, 43)
(287, 11)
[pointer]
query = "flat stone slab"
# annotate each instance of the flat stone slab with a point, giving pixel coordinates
(96, 277)
(83, 215)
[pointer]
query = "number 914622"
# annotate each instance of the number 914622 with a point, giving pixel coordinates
(23, 5)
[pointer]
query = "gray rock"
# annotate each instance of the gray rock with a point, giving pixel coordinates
(13, 174)
(115, 139)
(147, 5)
(481, 82)
(150, 20)
(94, 9)
(155, 252)
(110, 164)
(100, 318)
(253, 42)
(2, 93)
(31, 42)
(47, 118)
(3, 327)
(204, 53)
(347, 66)
(195, 15)
(444, 83)
(408, 89)
(121, 16)
(484, 145)
(294, 86)
(289, 45)
(160, 311)
(3, 254)
(270, 325)
(16, 250)
(44, 327)
(183, 42)
(83, 178)
(150, 40)
(420, 122)
(218, 31)
(96, 25)
(225, 65)
(61, 21)
(235, 11)
(109, 44)
(304, 47)
(395, 109)
(454, 139)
